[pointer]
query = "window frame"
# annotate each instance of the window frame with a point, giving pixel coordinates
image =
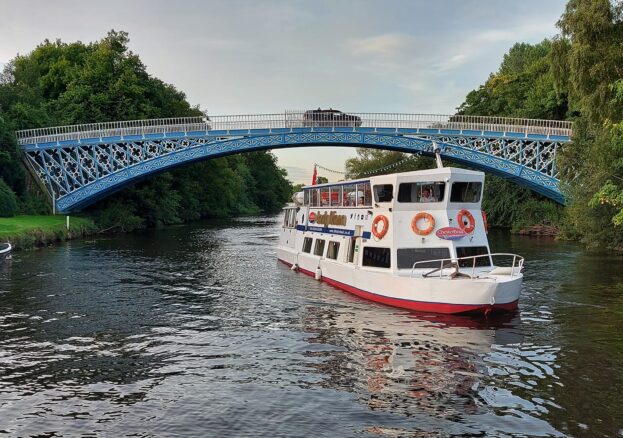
(322, 244)
(481, 262)
(375, 193)
(387, 253)
(422, 266)
(462, 201)
(307, 248)
(420, 185)
(334, 246)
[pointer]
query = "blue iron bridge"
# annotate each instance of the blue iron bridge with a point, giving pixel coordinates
(80, 164)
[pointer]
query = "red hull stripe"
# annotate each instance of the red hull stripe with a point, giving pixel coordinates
(420, 306)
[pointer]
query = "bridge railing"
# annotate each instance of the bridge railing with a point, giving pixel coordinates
(109, 129)
(295, 119)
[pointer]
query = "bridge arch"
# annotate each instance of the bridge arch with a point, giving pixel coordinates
(83, 166)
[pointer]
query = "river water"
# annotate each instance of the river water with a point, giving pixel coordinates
(199, 331)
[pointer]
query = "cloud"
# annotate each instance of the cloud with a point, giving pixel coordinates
(240, 57)
(388, 45)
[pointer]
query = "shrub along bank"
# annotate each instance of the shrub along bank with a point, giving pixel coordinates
(25, 232)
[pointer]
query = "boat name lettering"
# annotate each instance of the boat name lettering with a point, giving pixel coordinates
(330, 218)
(450, 233)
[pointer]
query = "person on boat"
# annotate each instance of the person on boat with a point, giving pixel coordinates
(427, 196)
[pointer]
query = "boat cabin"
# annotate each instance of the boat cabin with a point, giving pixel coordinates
(394, 222)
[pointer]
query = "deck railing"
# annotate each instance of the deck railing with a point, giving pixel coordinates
(453, 263)
(295, 119)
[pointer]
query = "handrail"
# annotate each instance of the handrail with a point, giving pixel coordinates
(296, 119)
(517, 260)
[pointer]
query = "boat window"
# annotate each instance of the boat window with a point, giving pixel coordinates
(421, 192)
(351, 250)
(306, 197)
(287, 218)
(307, 243)
(350, 195)
(293, 218)
(324, 196)
(364, 194)
(407, 257)
(335, 194)
(332, 250)
(319, 248)
(383, 193)
(314, 198)
(367, 192)
(469, 251)
(376, 257)
(466, 192)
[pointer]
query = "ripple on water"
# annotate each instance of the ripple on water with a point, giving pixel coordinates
(198, 330)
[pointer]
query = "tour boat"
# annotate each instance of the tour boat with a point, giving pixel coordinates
(414, 240)
(5, 250)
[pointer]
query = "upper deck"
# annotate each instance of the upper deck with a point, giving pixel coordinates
(441, 188)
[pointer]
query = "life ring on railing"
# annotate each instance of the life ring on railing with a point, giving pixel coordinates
(485, 221)
(379, 234)
(425, 231)
(472, 222)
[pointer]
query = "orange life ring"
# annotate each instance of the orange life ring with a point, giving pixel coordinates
(472, 222)
(485, 221)
(380, 234)
(425, 231)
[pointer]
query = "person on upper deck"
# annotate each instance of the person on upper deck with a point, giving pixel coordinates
(427, 196)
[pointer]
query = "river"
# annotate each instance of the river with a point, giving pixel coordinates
(199, 331)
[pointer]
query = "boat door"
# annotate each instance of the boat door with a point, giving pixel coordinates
(354, 244)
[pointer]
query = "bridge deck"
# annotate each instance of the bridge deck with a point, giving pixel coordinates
(82, 163)
(300, 122)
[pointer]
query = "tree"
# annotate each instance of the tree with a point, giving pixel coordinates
(322, 180)
(369, 162)
(589, 63)
(523, 86)
(8, 201)
(70, 83)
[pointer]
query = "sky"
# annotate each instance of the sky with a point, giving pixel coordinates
(248, 57)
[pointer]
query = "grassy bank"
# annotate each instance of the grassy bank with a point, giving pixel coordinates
(25, 232)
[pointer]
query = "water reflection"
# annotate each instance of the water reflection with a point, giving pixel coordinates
(199, 328)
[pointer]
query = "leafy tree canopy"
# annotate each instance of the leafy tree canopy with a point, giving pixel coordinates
(62, 83)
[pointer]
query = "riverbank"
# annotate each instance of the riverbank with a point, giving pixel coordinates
(27, 232)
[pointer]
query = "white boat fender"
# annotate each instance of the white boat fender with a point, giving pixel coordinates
(318, 275)
(294, 267)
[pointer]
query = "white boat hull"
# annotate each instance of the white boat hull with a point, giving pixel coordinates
(5, 250)
(432, 294)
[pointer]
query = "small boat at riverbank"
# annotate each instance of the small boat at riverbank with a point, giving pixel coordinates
(5, 251)
(413, 240)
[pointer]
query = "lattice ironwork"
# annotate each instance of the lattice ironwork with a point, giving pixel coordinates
(77, 169)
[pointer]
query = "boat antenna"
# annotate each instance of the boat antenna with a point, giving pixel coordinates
(437, 151)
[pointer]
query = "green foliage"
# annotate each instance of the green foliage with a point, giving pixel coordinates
(272, 188)
(592, 168)
(297, 188)
(321, 179)
(34, 203)
(25, 232)
(370, 162)
(8, 201)
(524, 86)
(119, 216)
(70, 83)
